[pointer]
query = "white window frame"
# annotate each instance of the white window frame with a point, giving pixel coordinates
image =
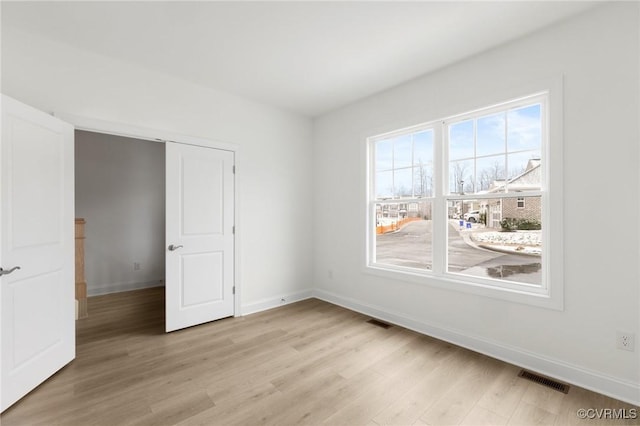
(551, 293)
(373, 202)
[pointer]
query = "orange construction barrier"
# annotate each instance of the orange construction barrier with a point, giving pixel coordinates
(382, 229)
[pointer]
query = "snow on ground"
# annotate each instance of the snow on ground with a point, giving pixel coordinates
(529, 242)
(529, 238)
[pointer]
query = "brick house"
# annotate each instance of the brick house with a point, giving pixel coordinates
(517, 208)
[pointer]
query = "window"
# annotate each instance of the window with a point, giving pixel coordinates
(464, 199)
(402, 201)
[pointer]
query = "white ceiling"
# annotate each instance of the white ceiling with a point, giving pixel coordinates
(308, 57)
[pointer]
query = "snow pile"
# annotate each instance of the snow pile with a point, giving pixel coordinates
(527, 238)
(529, 242)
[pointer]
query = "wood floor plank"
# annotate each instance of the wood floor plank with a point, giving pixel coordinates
(233, 411)
(463, 395)
(479, 416)
(327, 401)
(307, 363)
(173, 410)
(503, 396)
(528, 414)
(410, 408)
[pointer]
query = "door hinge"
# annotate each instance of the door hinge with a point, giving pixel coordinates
(234, 289)
(233, 230)
(234, 170)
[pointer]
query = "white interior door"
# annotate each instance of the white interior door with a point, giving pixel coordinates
(199, 235)
(37, 235)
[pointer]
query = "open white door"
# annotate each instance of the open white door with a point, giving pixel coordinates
(37, 233)
(199, 235)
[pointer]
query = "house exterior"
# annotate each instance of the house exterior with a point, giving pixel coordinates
(398, 211)
(516, 208)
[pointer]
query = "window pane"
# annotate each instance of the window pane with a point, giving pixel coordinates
(461, 177)
(524, 128)
(423, 180)
(461, 140)
(403, 183)
(402, 152)
(490, 173)
(491, 135)
(524, 171)
(496, 239)
(423, 147)
(384, 155)
(403, 234)
(496, 155)
(384, 185)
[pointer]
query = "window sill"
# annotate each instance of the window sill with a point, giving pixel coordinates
(469, 285)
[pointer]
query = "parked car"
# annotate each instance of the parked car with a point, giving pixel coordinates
(472, 216)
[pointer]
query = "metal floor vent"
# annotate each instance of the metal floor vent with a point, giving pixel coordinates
(379, 323)
(545, 381)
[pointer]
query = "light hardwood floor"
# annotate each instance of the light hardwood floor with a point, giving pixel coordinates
(305, 363)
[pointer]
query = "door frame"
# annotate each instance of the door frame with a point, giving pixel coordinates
(161, 136)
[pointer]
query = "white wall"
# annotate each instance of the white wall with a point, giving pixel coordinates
(598, 53)
(274, 159)
(282, 207)
(120, 193)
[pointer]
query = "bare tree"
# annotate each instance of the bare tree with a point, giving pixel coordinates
(423, 179)
(403, 191)
(517, 171)
(462, 178)
(491, 174)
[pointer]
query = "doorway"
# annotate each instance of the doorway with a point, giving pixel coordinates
(157, 205)
(120, 192)
(38, 184)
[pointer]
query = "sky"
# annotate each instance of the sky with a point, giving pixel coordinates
(503, 141)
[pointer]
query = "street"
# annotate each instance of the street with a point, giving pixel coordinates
(411, 247)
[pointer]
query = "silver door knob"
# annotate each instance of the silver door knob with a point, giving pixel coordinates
(172, 247)
(7, 272)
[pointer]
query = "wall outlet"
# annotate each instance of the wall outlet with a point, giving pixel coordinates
(330, 274)
(136, 266)
(625, 341)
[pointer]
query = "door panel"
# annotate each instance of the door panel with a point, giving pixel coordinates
(37, 234)
(200, 211)
(37, 146)
(37, 317)
(208, 265)
(202, 176)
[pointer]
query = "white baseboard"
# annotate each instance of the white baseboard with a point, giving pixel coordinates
(626, 391)
(120, 287)
(263, 305)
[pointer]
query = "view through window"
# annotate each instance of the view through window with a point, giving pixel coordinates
(488, 194)
(403, 191)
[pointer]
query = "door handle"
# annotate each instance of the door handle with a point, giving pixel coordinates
(7, 272)
(172, 247)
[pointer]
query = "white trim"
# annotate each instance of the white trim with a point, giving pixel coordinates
(493, 195)
(548, 94)
(101, 289)
(465, 284)
(129, 131)
(614, 387)
(274, 302)
(136, 132)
